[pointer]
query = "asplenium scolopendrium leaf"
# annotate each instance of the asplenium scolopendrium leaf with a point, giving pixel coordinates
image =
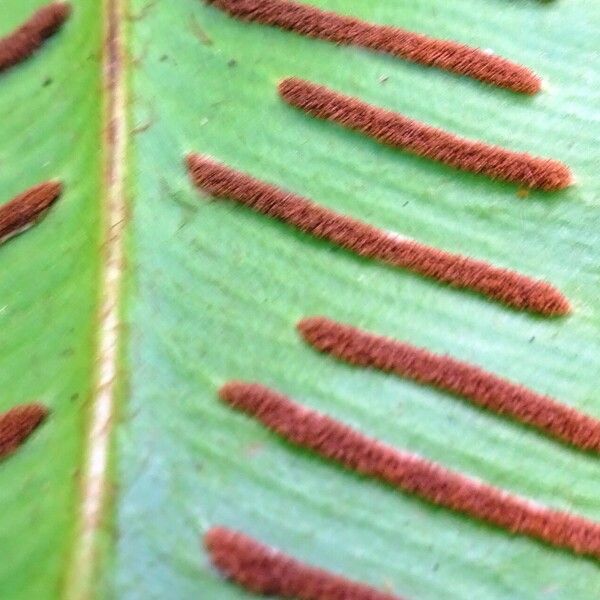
(207, 291)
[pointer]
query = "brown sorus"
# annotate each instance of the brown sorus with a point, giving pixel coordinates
(17, 424)
(411, 473)
(27, 208)
(24, 41)
(482, 388)
(415, 47)
(263, 570)
(423, 140)
(506, 286)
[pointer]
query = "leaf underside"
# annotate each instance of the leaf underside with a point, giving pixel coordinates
(213, 291)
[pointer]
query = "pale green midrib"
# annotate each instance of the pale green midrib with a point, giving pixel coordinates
(89, 551)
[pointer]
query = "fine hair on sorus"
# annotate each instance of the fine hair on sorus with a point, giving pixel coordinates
(496, 283)
(411, 473)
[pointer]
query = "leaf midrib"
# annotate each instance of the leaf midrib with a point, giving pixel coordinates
(82, 569)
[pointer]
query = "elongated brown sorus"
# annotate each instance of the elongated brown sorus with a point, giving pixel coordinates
(24, 41)
(418, 48)
(27, 208)
(506, 286)
(468, 381)
(411, 473)
(423, 140)
(264, 570)
(17, 424)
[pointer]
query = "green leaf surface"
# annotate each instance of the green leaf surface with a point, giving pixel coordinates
(211, 291)
(51, 128)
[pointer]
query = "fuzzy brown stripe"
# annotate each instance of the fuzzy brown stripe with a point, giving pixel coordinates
(27, 208)
(17, 424)
(411, 473)
(424, 140)
(482, 388)
(24, 41)
(264, 570)
(443, 54)
(509, 287)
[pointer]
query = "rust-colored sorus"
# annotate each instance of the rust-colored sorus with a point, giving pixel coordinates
(418, 48)
(506, 286)
(423, 140)
(17, 424)
(27, 208)
(468, 381)
(264, 570)
(411, 473)
(24, 41)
